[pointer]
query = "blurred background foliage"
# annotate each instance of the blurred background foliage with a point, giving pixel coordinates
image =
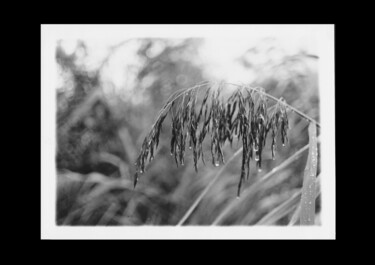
(101, 124)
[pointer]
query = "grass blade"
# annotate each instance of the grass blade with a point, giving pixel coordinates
(281, 210)
(285, 208)
(208, 187)
(307, 215)
(295, 217)
(234, 204)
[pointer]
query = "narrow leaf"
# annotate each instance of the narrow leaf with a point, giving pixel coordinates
(307, 216)
(285, 208)
(296, 215)
(280, 211)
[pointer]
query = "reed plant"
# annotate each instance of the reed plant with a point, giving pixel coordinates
(221, 113)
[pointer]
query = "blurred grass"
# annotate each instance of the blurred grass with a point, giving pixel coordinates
(292, 203)
(99, 137)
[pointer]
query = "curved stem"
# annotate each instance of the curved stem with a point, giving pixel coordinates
(173, 97)
(169, 101)
(179, 93)
(204, 192)
(277, 100)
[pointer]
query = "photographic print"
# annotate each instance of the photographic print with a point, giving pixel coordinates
(178, 127)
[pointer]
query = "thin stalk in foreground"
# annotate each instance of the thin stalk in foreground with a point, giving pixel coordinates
(204, 192)
(212, 182)
(253, 187)
(295, 217)
(285, 208)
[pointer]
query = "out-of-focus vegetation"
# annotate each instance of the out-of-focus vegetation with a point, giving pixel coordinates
(100, 132)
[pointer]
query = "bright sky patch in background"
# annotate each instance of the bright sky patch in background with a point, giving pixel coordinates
(218, 56)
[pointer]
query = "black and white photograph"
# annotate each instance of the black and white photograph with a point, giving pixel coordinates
(174, 131)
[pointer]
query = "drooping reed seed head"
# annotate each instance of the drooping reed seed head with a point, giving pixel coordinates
(243, 114)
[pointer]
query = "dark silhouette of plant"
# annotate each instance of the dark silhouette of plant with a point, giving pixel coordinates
(243, 114)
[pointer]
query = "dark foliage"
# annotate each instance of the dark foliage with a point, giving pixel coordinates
(244, 114)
